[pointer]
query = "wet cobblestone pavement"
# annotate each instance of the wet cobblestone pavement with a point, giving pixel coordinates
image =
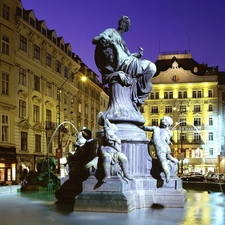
(202, 208)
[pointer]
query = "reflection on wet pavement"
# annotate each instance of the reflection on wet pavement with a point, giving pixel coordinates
(202, 208)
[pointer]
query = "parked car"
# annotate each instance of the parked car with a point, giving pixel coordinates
(192, 176)
(215, 177)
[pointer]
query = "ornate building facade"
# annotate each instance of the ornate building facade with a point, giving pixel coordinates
(41, 87)
(188, 92)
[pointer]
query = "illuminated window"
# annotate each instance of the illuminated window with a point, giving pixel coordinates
(79, 107)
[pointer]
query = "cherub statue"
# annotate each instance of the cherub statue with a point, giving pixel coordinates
(161, 141)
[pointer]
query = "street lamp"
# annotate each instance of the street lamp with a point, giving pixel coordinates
(83, 78)
(181, 109)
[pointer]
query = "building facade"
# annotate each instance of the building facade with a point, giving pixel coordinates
(188, 92)
(42, 86)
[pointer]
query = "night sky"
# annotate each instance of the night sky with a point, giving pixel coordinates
(156, 25)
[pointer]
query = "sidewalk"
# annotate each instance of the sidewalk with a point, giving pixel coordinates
(18, 208)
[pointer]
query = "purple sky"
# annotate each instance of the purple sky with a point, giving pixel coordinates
(195, 25)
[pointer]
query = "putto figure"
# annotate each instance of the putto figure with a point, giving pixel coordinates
(161, 141)
(118, 65)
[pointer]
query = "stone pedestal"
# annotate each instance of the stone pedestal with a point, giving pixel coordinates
(143, 191)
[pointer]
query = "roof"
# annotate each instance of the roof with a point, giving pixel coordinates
(185, 61)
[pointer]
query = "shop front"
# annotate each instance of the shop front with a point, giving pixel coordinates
(7, 166)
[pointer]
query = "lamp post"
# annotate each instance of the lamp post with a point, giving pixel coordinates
(181, 109)
(59, 112)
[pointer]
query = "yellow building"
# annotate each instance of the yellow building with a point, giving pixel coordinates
(187, 92)
(41, 86)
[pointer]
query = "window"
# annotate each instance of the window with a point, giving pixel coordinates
(23, 43)
(154, 122)
(197, 121)
(54, 40)
(142, 109)
(210, 93)
(62, 47)
(155, 109)
(197, 137)
(183, 137)
(168, 109)
(210, 108)
(32, 22)
(18, 11)
(66, 72)
(48, 119)
(24, 141)
(49, 60)
(5, 83)
(22, 109)
(154, 95)
(183, 122)
(182, 94)
(5, 44)
(58, 67)
(36, 52)
(196, 94)
(36, 113)
(37, 83)
(37, 143)
(5, 11)
(43, 31)
(210, 136)
(197, 108)
(49, 88)
(5, 128)
(182, 108)
(211, 151)
(210, 121)
(22, 76)
(168, 95)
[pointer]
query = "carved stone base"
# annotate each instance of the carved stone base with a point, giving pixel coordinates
(113, 196)
(118, 196)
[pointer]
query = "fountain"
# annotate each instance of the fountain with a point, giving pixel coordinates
(114, 172)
